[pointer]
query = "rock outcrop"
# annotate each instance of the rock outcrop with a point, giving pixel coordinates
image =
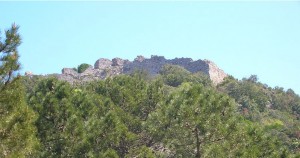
(69, 71)
(216, 75)
(102, 63)
(104, 68)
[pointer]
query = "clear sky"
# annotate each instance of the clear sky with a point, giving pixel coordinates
(242, 38)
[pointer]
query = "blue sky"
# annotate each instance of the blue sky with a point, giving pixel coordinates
(242, 38)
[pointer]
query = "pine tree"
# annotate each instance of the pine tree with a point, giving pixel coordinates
(9, 55)
(59, 124)
(192, 120)
(17, 130)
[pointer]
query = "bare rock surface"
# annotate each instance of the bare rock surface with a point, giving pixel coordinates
(104, 68)
(102, 63)
(216, 75)
(69, 71)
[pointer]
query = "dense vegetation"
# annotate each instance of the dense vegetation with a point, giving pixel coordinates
(175, 114)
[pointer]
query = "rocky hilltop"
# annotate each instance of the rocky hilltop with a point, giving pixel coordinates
(104, 68)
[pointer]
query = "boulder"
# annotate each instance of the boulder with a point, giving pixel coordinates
(117, 62)
(69, 71)
(102, 63)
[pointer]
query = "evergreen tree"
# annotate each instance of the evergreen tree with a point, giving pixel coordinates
(17, 130)
(82, 67)
(60, 124)
(273, 108)
(193, 119)
(174, 75)
(9, 55)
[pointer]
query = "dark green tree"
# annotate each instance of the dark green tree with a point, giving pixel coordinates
(82, 67)
(9, 55)
(274, 109)
(199, 122)
(132, 99)
(192, 120)
(17, 130)
(174, 75)
(60, 123)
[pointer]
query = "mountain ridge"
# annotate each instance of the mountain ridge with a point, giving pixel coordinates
(104, 68)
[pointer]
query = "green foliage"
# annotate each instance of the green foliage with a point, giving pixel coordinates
(110, 153)
(193, 119)
(17, 130)
(51, 99)
(94, 119)
(82, 67)
(174, 75)
(255, 143)
(9, 56)
(135, 116)
(140, 152)
(276, 110)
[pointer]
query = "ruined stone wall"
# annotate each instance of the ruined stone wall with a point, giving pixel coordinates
(106, 68)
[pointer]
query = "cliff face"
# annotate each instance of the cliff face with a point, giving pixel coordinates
(106, 68)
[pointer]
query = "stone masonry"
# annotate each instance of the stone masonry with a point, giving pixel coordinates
(104, 68)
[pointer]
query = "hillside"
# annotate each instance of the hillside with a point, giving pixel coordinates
(162, 108)
(147, 107)
(153, 107)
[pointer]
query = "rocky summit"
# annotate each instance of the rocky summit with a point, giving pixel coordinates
(104, 68)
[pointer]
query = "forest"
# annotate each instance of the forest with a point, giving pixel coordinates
(173, 114)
